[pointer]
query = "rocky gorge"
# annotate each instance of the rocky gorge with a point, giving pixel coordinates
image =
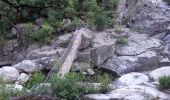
(137, 53)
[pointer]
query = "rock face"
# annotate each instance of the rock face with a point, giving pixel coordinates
(8, 52)
(132, 79)
(10, 74)
(138, 44)
(145, 16)
(100, 54)
(138, 55)
(128, 9)
(160, 72)
(26, 66)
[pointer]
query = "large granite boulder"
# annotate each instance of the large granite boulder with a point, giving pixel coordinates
(139, 54)
(160, 72)
(134, 92)
(10, 74)
(132, 79)
(100, 54)
(26, 66)
(125, 64)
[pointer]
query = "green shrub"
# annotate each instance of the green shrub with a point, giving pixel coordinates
(7, 92)
(118, 28)
(103, 78)
(44, 35)
(89, 5)
(100, 19)
(110, 4)
(164, 82)
(122, 40)
(69, 88)
(36, 79)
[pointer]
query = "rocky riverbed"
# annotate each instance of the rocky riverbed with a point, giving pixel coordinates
(139, 61)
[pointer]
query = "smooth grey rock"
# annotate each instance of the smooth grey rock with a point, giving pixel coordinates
(144, 90)
(98, 55)
(160, 72)
(23, 78)
(62, 41)
(121, 65)
(137, 44)
(132, 79)
(125, 64)
(134, 92)
(10, 74)
(104, 38)
(26, 66)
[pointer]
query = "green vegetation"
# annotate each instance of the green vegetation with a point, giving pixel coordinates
(43, 35)
(69, 88)
(164, 82)
(6, 91)
(122, 40)
(93, 12)
(36, 79)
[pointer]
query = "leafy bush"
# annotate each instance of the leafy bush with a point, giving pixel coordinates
(69, 88)
(19, 11)
(43, 35)
(36, 79)
(122, 40)
(164, 82)
(103, 78)
(100, 19)
(6, 92)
